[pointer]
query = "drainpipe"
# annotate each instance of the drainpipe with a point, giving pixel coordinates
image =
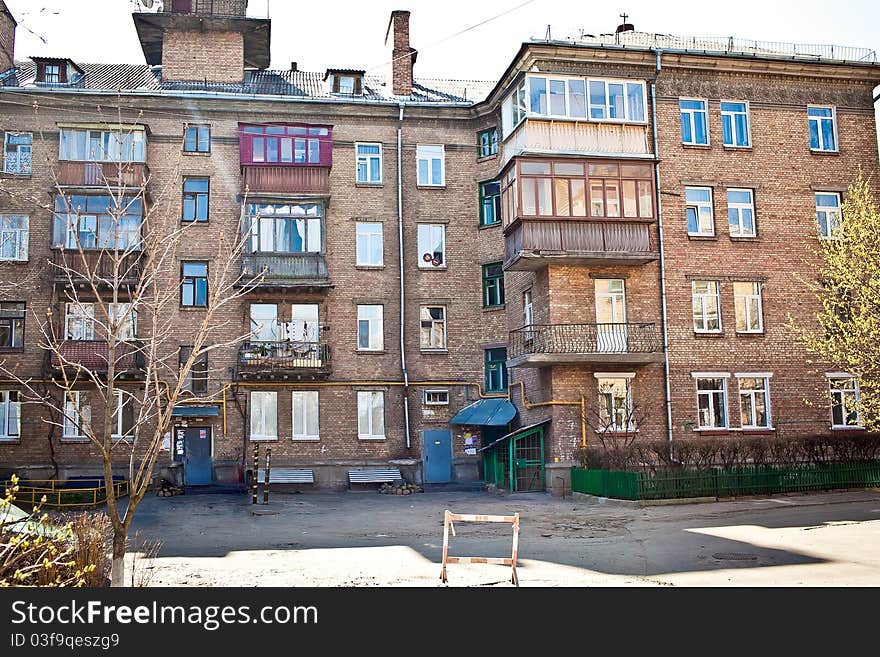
(660, 246)
(400, 259)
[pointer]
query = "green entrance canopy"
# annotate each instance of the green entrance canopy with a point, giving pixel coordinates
(495, 412)
(195, 410)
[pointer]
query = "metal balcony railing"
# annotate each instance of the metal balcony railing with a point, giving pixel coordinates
(226, 8)
(73, 266)
(285, 355)
(584, 339)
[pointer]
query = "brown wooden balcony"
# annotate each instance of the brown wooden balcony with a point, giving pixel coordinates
(292, 179)
(535, 243)
(285, 360)
(94, 356)
(300, 271)
(70, 266)
(540, 345)
(132, 175)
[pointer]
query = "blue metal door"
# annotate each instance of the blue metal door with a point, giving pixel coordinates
(438, 455)
(197, 443)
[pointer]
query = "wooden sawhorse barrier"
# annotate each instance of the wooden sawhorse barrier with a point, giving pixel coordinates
(450, 518)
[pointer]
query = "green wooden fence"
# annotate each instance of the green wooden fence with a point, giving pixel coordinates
(724, 483)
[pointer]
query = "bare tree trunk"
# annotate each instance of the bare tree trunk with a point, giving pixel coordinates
(117, 568)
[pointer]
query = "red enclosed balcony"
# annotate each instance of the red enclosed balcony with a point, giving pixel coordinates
(94, 356)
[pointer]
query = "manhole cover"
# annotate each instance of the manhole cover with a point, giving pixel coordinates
(734, 556)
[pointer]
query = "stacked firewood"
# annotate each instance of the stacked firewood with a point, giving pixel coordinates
(400, 487)
(167, 489)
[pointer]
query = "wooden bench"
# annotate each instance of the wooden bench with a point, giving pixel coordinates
(373, 475)
(286, 476)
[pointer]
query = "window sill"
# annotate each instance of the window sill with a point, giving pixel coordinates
(442, 268)
(486, 158)
(747, 334)
(14, 262)
(9, 441)
(433, 351)
(493, 309)
(263, 440)
(18, 176)
(370, 352)
(196, 153)
(372, 438)
(197, 222)
(190, 309)
(699, 147)
(847, 428)
(493, 225)
(737, 148)
(703, 238)
(302, 439)
(713, 431)
(708, 334)
(11, 350)
(819, 152)
(369, 185)
(74, 440)
(370, 267)
(430, 186)
(744, 238)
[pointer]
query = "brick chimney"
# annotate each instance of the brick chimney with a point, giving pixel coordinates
(7, 37)
(403, 57)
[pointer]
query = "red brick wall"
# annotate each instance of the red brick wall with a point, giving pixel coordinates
(203, 56)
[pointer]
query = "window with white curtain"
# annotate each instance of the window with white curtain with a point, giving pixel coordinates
(264, 415)
(371, 415)
(431, 159)
(285, 228)
(305, 415)
(10, 415)
(14, 237)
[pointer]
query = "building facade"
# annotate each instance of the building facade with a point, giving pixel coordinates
(462, 279)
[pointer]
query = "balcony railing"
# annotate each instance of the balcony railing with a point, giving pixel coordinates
(103, 174)
(72, 266)
(287, 356)
(287, 179)
(285, 270)
(94, 355)
(230, 8)
(560, 343)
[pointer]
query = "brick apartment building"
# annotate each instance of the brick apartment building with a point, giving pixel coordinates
(462, 279)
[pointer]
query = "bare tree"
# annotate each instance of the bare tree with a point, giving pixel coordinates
(121, 276)
(616, 422)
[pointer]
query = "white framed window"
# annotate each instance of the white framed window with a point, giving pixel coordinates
(76, 406)
(706, 306)
(123, 415)
(14, 237)
(346, 84)
(823, 128)
(616, 100)
(712, 402)
(432, 327)
(18, 153)
(735, 124)
(370, 329)
(124, 318)
(432, 246)
(10, 415)
(431, 159)
(700, 216)
(371, 415)
(306, 415)
(528, 309)
(264, 323)
(264, 415)
(749, 307)
(79, 321)
(828, 214)
(436, 398)
(754, 400)
(513, 109)
(845, 401)
(85, 145)
(741, 212)
(369, 163)
(369, 246)
(615, 403)
(694, 122)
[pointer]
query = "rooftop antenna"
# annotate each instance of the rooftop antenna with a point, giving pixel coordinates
(547, 36)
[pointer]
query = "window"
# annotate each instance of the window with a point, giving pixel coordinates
(487, 142)
(749, 311)
(615, 405)
(712, 403)
(85, 145)
(122, 320)
(496, 370)
(735, 124)
(369, 244)
(607, 100)
(79, 321)
(197, 139)
(10, 415)
(77, 415)
(617, 100)
(369, 163)
(436, 398)
(264, 323)
(741, 212)
(370, 331)
(305, 415)
(431, 165)
(286, 145)
(52, 73)
(828, 214)
(304, 326)
(285, 228)
(845, 402)
(14, 237)
(432, 246)
(196, 380)
(528, 309)
(194, 284)
(490, 203)
(694, 122)
(264, 416)
(823, 128)
(123, 415)
(432, 327)
(195, 199)
(97, 222)
(18, 153)
(371, 415)
(346, 84)
(493, 285)
(12, 325)
(754, 401)
(707, 306)
(700, 218)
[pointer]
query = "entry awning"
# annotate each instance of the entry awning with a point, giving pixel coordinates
(196, 410)
(514, 434)
(496, 412)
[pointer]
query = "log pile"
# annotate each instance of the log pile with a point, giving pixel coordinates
(400, 487)
(167, 489)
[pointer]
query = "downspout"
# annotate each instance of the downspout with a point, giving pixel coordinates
(663, 326)
(400, 260)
